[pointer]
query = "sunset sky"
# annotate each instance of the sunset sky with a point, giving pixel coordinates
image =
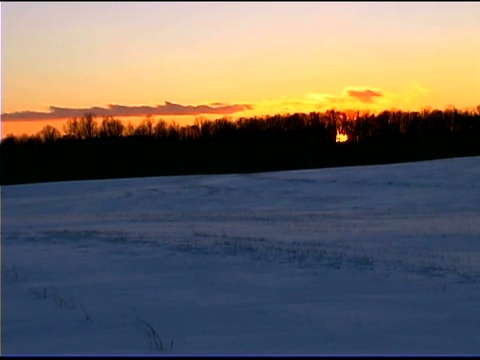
(178, 61)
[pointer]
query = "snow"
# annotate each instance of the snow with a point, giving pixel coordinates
(355, 260)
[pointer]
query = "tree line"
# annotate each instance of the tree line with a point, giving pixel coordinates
(93, 149)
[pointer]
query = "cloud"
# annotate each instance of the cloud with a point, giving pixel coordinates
(350, 98)
(115, 110)
(365, 95)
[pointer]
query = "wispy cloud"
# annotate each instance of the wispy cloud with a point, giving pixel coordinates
(169, 109)
(358, 98)
(368, 98)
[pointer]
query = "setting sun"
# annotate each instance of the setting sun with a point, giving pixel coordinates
(341, 137)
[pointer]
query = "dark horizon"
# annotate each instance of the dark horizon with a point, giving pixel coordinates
(99, 150)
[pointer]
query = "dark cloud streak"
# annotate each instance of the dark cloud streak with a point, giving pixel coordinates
(365, 96)
(169, 109)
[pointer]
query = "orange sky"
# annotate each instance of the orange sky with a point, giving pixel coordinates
(178, 61)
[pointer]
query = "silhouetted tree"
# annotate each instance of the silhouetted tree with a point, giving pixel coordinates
(111, 127)
(160, 130)
(49, 133)
(85, 128)
(129, 130)
(88, 126)
(145, 128)
(71, 128)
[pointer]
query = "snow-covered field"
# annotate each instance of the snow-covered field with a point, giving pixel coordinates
(358, 260)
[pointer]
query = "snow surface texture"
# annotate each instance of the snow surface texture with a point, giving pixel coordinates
(357, 260)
